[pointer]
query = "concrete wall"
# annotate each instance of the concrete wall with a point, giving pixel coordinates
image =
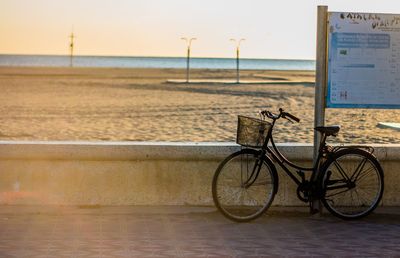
(140, 173)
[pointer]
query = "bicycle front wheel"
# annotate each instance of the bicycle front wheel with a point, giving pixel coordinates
(352, 183)
(243, 186)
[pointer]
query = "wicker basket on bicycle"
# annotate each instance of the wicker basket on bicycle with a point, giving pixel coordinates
(251, 132)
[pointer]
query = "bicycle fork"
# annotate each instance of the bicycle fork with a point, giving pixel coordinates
(254, 173)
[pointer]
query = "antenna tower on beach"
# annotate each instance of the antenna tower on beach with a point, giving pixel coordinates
(71, 48)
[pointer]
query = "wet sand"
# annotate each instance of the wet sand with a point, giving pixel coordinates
(105, 104)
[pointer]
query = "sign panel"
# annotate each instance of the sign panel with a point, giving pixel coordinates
(363, 60)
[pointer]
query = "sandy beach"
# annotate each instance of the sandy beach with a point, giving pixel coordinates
(105, 104)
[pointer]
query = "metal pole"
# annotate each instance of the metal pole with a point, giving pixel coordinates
(237, 57)
(189, 43)
(237, 64)
(71, 48)
(187, 64)
(320, 86)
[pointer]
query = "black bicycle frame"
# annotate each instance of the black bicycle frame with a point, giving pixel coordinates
(279, 158)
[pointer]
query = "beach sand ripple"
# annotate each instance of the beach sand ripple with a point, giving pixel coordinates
(105, 104)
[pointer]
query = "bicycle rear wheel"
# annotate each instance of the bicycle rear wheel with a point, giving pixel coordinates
(352, 183)
(243, 186)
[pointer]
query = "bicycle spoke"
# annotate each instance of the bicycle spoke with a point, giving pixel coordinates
(359, 168)
(341, 171)
(252, 200)
(243, 189)
(230, 196)
(352, 191)
(261, 183)
(346, 190)
(363, 199)
(364, 174)
(247, 177)
(360, 193)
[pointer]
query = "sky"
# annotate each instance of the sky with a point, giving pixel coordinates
(281, 29)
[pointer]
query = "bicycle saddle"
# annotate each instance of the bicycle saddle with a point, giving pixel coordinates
(328, 130)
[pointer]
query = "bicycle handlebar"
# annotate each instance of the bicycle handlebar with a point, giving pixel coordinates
(292, 117)
(282, 114)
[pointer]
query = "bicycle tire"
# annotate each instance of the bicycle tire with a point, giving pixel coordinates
(233, 193)
(352, 183)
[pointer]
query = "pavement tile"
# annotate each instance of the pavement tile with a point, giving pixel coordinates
(144, 251)
(79, 233)
(210, 251)
(8, 253)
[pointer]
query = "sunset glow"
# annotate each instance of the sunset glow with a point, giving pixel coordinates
(273, 29)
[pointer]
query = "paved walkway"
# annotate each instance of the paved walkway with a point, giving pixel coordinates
(191, 232)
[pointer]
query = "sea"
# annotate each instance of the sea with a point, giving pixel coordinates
(154, 62)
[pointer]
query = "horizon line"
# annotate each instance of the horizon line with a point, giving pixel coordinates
(150, 56)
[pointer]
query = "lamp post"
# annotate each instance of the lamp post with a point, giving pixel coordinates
(71, 49)
(237, 57)
(189, 43)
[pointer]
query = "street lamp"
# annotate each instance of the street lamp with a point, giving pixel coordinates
(71, 48)
(189, 43)
(237, 57)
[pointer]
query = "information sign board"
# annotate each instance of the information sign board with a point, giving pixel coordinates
(363, 60)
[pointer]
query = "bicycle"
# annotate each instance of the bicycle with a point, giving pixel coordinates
(347, 179)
